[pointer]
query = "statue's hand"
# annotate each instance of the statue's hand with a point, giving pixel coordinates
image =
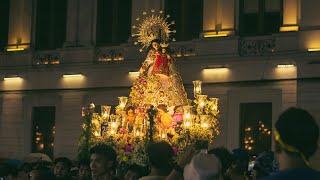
(141, 70)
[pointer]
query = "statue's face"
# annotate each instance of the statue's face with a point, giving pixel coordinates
(160, 111)
(155, 45)
(130, 112)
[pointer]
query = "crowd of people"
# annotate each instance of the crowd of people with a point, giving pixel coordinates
(295, 139)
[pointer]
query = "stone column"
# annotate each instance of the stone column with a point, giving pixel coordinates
(12, 127)
(20, 19)
(72, 23)
(218, 18)
(68, 125)
(81, 23)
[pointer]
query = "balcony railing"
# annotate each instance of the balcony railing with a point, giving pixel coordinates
(109, 54)
(256, 46)
(182, 49)
(47, 58)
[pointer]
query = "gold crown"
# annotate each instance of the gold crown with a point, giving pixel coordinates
(153, 27)
(164, 45)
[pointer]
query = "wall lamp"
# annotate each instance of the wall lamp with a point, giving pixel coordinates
(289, 28)
(214, 34)
(134, 72)
(12, 78)
(216, 67)
(15, 49)
(72, 75)
(313, 49)
(285, 65)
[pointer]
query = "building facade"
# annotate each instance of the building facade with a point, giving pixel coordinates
(254, 55)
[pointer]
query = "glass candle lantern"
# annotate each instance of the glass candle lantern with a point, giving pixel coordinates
(113, 125)
(197, 88)
(188, 116)
(187, 112)
(188, 123)
(202, 100)
(91, 108)
(214, 105)
(105, 112)
(96, 124)
(122, 101)
(84, 111)
(138, 130)
(205, 121)
(163, 134)
(114, 118)
(112, 130)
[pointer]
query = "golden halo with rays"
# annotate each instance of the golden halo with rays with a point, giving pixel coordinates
(152, 27)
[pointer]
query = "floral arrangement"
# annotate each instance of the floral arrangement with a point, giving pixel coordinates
(131, 149)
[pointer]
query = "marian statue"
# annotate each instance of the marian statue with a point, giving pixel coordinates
(159, 81)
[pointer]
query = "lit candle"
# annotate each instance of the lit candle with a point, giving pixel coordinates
(122, 105)
(112, 132)
(197, 89)
(214, 108)
(113, 124)
(204, 125)
(122, 101)
(137, 133)
(163, 135)
(201, 103)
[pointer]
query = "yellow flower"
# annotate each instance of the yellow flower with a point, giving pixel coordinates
(125, 159)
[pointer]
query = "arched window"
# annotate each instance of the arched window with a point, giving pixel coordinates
(113, 21)
(50, 24)
(187, 16)
(4, 19)
(260, 17)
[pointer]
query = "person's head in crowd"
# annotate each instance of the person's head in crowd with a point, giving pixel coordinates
(203, 166)
(42, 173)
(133, 172)
(296, 137)
(84, 172)
(161, 157)
(103, 161)
(264, 165)
(62, 167)
(239, 165)
(224, 155)
(8, 172)
(26, 167)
